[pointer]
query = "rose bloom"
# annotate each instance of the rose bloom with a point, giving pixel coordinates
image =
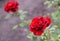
(11, 6)
(39, 24)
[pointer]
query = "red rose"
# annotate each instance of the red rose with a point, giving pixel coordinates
(11, 6)
(39, 24)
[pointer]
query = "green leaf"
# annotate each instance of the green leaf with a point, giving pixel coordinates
(20, 11)
(8, 16)
(22, 16)
(55, 35)
(25, 23)
(50, 5)
(58, 26)
(23, 12)
(58, 1)
(14, 27)
(35, 38)
(56, 16)
(22, 24)
(30, 36)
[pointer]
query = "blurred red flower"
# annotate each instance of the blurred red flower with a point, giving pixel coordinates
(11, 6)
(39, 24)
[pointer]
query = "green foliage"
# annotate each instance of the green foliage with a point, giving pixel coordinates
(56, 16)
(25, 23)
(44, 37)
(8, 16)
(58, 26)
(14, 27)
(22, 16)
(33, 38)
(53, 3)
(56, 19)
(55, 35)
(30, 36)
